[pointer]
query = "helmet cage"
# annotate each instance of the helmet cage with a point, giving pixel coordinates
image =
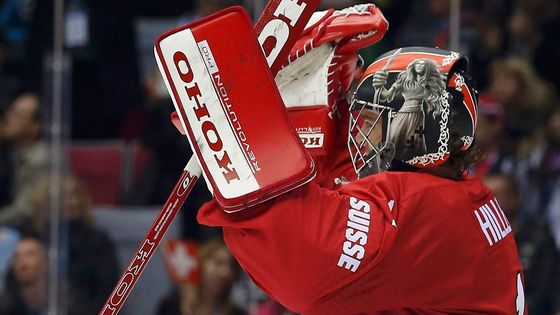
(368, 157)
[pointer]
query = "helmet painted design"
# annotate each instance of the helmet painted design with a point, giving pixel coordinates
(403, 108)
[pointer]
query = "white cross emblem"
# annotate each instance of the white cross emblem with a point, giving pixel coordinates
(182, 262)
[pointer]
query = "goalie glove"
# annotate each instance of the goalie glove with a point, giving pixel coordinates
(317, 78)
(321, 67)
(320, 79)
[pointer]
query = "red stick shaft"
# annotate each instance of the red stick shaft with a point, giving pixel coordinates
(148, 247)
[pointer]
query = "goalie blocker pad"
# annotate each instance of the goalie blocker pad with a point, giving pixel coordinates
(230, 107)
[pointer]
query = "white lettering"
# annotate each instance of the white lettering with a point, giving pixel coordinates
(353, 248)
(208, 57)
(520, 299)
(357, 226)
(290, 9)
(358, 217)
(236, 124)
(359, 204)
(348, 262)
(356, 236)
(278, 29)
(492, 220)
(485, 226)
(506, 227)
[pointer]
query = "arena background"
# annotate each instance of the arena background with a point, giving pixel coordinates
(110, 155)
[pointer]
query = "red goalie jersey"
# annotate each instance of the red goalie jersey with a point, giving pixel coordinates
(392, 243)
(389, 243)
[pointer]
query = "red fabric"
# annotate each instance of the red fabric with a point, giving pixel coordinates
(353, 31)
(336, 163)
(435, 261)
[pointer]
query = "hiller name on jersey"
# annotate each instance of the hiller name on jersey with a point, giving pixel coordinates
(353, 250)
(493, 222)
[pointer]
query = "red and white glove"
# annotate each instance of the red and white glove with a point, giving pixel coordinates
(317, 78)
(321, 68)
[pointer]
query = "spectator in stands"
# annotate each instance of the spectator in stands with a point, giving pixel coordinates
(535, 244)
(26, 283)
(104, 74)
(538, 166)
(14, 18)
(6, 168)
(22, 131)
(527, 98)
(491, 38)
(92, 263)
(427, 24)
(14, 22)
(547, 53)
(212, 296)
(9, 239)
(495, 144)
(527, 25)
(539, 173)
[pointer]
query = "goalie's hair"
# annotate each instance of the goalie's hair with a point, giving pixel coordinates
(461, 161)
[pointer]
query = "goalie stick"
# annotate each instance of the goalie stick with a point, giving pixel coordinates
(278, 28)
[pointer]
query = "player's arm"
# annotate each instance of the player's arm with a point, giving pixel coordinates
(310, 242)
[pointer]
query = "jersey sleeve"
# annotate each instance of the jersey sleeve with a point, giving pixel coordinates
(310, 242)
(335, 166)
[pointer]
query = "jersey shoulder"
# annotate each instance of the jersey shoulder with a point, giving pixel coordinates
(419, 185)
(414, 185)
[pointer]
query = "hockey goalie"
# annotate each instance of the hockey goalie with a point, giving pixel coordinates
(395, 225)
(378, 216)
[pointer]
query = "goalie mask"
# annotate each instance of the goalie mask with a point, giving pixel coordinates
(407, 106)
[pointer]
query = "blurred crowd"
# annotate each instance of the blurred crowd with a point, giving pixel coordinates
(114, 92)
